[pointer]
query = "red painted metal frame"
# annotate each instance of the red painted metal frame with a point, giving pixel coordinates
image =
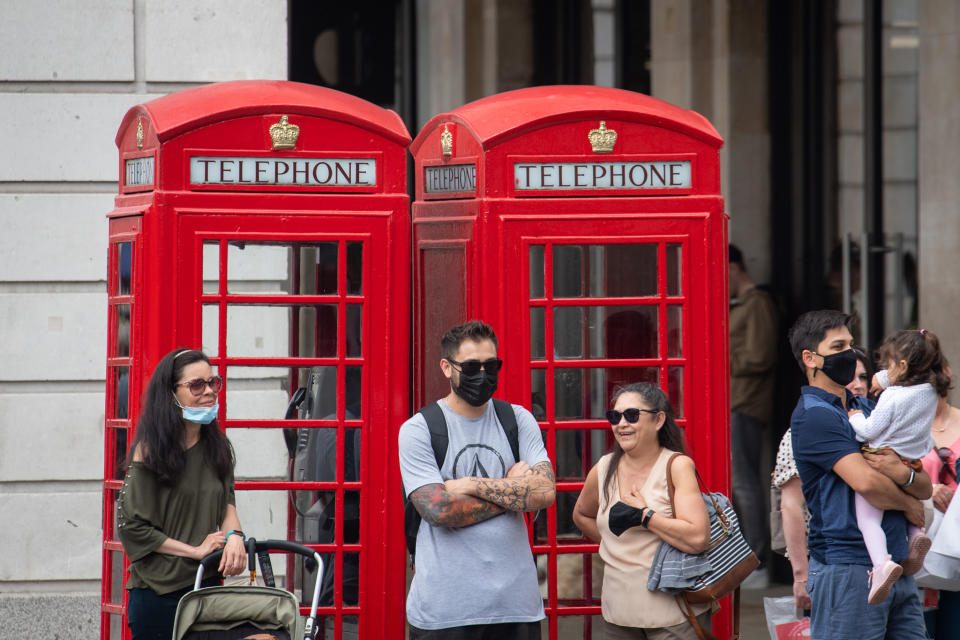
(121, 230)
(497, 227)
(174, 221)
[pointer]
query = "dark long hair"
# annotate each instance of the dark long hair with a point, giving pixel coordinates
(669, 435)
(160, 429)
(925, 361)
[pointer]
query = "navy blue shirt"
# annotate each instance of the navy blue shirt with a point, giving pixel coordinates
(822, 435)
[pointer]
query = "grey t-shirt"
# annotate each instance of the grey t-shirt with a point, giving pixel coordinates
(484, 573)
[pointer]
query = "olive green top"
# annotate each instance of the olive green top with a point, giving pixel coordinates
(149, 512)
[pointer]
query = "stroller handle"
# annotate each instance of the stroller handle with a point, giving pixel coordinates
(254, 546)
(314, 561)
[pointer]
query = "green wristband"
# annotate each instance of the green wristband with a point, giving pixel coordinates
(238, 532)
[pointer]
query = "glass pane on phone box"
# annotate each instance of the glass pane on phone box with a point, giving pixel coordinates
(675, 389)
(352, 455)
(537, 333)
(116, 577)
(567, 531)
(536, 271)
(324, 333)
(258, 393)
(572, 587)
(538, 393)
(122, 347)
(674, 331)
(580, 627)
(255, 331)
(584, 393)
(315, 512)
(210, 329)
(573, 447)
(674, 265)
(354, 268)
(605, 332)
(119, 435)
(124, 268)
(258, 268)
(353, 393)
(568, 271)
(325, 255)
(354, 330)
(121, 392)
(211, 267)
(625, 270)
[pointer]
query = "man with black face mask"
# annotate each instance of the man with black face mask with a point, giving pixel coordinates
(475, 576)
(831, 469)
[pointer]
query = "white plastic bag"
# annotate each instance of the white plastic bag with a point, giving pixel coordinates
(782, 620)
(941, 568)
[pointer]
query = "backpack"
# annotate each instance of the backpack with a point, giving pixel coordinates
(439, 440)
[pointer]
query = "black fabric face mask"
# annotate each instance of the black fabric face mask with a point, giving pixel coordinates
(840, 367)
(477, 389)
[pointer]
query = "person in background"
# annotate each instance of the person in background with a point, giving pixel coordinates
(177, 504)
(625, 506)
(793, 508)
(754, 330)
(941, 465)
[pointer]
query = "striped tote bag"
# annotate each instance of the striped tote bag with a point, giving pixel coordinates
(731, 558)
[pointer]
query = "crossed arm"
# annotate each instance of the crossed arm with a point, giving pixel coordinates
(462, 502)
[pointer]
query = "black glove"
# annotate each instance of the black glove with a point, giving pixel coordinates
(623, 516)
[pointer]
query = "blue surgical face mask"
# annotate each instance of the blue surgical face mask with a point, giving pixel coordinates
(200, 415)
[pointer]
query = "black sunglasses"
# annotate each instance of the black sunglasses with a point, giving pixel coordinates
(632, 415)
(472, 367)
(198, 385)
(947, 470)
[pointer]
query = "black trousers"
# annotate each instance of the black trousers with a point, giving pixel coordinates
(150, 616)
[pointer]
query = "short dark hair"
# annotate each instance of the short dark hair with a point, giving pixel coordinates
(474, 330)
(735, 256)
(811, 328)
(925, 361)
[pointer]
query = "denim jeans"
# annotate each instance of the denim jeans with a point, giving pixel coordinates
(840, 611)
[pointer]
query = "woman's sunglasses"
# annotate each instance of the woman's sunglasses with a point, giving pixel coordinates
(472, 367)
(947, 470)
(198, 385)
(632, 415)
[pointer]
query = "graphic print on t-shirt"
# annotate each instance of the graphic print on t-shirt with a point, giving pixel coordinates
(479, 461)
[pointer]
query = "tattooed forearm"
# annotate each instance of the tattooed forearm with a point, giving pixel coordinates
(526, 493)
(443, 509)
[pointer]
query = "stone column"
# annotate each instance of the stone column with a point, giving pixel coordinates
(712, 57)
(441, 61)
(939, 157)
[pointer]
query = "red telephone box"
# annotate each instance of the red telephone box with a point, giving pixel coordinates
(266, 222)
(586, 225)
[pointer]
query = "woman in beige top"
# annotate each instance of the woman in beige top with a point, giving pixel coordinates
(634, 473)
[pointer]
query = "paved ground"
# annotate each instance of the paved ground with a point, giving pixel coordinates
(753, 623)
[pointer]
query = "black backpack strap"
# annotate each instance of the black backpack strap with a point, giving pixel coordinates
(508, 420)
(439, 440)
(437, 425)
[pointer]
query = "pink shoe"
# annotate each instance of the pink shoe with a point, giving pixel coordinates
(917, 550)
(882, 579)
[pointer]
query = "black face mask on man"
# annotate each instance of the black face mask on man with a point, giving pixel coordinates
(841, 367)
(477, 389)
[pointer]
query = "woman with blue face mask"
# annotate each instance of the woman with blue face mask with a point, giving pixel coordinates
(177, 504)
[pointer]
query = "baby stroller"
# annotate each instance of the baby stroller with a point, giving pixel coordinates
(238, 612)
